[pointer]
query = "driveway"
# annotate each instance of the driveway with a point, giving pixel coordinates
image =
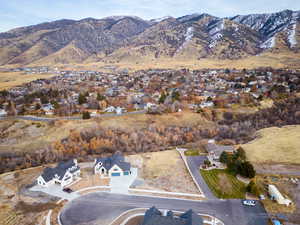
(102, 208)
(194, 163)
(55, 190)
(121, 184)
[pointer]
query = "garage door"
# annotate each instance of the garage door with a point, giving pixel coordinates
(115, 174)
(126, 173)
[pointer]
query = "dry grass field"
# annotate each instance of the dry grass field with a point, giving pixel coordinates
(185, 118)
(11, 210)
(21, 135)
(164, 171)
(26, 136)
(275, 145)
(12, 79)
(283, 59)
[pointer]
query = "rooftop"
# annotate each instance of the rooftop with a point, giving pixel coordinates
(154, 217)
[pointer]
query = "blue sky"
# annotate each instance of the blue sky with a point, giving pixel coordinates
(16, 13)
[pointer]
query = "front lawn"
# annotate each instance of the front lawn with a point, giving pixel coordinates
(223, 184)
(191, 152)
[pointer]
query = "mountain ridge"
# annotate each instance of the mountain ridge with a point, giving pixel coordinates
(118, 38)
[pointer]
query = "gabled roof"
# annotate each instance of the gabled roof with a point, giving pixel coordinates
(48, 174)
(218, 149)
(116, 159)
(60, 170)
(154, 217)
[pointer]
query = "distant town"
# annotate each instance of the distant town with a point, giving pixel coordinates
(91, 93)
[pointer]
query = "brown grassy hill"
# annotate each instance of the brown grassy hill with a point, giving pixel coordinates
(198, 39)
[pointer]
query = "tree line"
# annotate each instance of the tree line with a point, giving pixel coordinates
(100, 142)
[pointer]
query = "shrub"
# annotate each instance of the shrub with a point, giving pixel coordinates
(207, 162)
(224, 157)
(247, 169)
(82, 99)
(86, 115)
(252, 188)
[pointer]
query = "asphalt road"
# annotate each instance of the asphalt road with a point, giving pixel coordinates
(194, 163)
(102, 208)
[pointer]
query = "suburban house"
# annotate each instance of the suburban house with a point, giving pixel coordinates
(110, 109)
(48, 108)
(63, 174)
(154, 217)
(112, 166)
(215, 151)
(277, 196)
(3, 112)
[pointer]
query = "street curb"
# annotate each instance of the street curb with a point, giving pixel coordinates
(187, 166)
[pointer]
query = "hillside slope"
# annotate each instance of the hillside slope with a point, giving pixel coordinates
(131, 39)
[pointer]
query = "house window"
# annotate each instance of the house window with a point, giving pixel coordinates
(116, 169)
(102, 170)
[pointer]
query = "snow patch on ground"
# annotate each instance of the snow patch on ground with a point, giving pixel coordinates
(270, 43)
(189, 34)
(292, 36)
(157, 20)
(188, 37)
(215, 34)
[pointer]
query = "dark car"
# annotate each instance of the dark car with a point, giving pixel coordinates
(68, 190)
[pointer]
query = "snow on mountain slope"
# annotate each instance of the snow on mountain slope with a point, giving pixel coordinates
(215, 32)
(292, 36)
(188, 37)
(270, 43)
(157, 20)
(271, 24)
(268, 24)
(292, 30)
(118, 37)
(189, 34)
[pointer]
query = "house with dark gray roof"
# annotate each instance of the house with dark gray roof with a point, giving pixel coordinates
(214, 151)
(112, 166)
(63, 174)
(155, 217)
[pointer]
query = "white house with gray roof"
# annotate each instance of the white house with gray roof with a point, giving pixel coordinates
(214, 151)
(63, 174)
(112, 166)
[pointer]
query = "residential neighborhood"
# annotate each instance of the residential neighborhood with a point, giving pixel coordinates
(74, 92)
(153, 112)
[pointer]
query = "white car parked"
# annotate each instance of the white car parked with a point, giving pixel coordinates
(249, 202)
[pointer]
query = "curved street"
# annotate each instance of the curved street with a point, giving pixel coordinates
(102, 208)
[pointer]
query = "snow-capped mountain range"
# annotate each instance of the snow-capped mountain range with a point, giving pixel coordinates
(118, 38)
(270, 24)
